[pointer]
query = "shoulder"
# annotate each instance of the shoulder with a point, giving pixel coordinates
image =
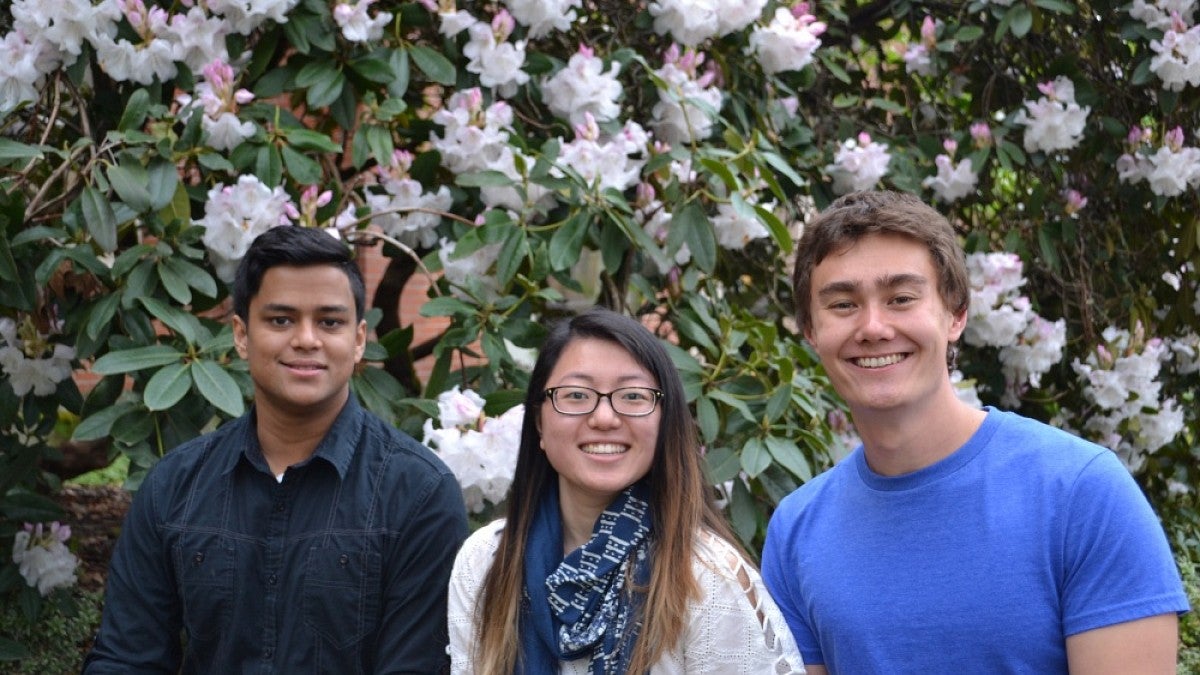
(209, 453)
(400, 449)
(477, 552)
(832, 482)
(1027, 448)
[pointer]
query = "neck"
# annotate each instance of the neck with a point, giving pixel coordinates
(578, 520)
(288, 439)
(905, 440)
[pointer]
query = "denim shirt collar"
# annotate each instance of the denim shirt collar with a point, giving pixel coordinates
(337, 447)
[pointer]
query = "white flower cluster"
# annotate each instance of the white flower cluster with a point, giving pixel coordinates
(1177, 56)
(480, 450)
(582, 88)
(235, 214)
(405, 211)
(789, 41)
(953, 181)
(1054, 121)
(687, 105)
(690, 22)
(1171, 169)
(605, 163)
(42, 557)
(30, 362)
(496, 61)
(1120, 377)
(356, 24)
(470, 270)
(858, 164)
(48, 34)
(999, 316)
(1156, 14)
(918, 56)
(216, 96)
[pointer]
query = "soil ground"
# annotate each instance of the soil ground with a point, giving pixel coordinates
(95, 514)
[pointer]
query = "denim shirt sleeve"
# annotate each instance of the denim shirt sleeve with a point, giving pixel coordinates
(140, 598)
(412, 635)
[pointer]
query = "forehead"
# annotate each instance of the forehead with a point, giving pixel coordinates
(874, 256)
(304, 286)
(585, 360)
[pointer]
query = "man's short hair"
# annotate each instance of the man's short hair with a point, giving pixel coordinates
(294, 246)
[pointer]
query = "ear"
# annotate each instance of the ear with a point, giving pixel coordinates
(958, 323)
(240, 338)
(360, 340)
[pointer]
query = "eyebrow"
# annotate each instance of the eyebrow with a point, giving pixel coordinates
(323, 309)
(623, 380)
(885, 281)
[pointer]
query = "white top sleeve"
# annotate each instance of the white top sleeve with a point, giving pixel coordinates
(734, 629)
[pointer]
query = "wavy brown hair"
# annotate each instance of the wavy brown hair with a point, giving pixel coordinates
(681, 503)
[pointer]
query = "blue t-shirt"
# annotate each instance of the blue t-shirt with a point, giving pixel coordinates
(983, 562)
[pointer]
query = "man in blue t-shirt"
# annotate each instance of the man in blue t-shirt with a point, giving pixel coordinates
(954, 539)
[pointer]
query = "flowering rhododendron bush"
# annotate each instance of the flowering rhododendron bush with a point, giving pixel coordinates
(536, 156)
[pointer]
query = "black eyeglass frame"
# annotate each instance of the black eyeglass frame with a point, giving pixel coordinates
(549, 394)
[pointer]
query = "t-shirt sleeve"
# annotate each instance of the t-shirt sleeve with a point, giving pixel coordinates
(779, 573)
(1118, 564)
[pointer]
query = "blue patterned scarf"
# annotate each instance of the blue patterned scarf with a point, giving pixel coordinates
(579, 605)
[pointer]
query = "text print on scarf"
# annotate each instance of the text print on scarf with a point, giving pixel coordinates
(593, 609)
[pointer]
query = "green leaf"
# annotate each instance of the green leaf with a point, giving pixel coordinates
(218, 387)
(101, 315)
(130, 181)
(489, 178)
(399, 62)
(755, 457)
(723, 465)
(166, 387)
(787, 453)
(1021, 20)
(10, 149)
(379, 140)
(303, 169)
(307, 139)
(135, 111)
(512, 253)
(11, 650)
(194, 275)
(163, 183)
(446, 306)
(777, 228)
(733, 402)
(100, 217)
(175, 285)
(691, 225)
(780, 401)
(437, 67)
(99, 425)
(708, 420)
(138, 358)
(326, 91)
(183, 323)
(567, 241)
(373, 70)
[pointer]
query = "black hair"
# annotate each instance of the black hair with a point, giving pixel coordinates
(298, 247)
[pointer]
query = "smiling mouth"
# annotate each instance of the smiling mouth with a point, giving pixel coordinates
(311, 367)
(604, 448)
(878, 361)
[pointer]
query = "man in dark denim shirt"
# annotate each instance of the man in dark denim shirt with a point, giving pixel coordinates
(308, 536)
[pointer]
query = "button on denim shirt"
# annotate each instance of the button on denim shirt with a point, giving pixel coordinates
(340, 568)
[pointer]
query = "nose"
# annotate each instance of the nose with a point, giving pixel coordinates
(873, 324)
(305, 335)
(604, 416)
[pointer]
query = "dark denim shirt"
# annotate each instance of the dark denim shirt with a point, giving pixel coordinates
(341, 568)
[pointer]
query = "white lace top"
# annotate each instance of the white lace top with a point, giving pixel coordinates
(736, 629)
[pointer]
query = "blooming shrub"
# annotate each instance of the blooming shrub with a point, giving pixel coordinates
(533, 156)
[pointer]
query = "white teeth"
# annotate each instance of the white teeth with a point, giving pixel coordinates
(879, 361)
(603, 449)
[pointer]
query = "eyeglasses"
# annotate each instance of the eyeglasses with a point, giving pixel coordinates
(628, 401)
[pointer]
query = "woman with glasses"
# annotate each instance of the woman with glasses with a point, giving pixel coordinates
(612, 558)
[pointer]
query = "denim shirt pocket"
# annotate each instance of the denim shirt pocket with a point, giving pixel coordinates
(341, 593)
(206, 574)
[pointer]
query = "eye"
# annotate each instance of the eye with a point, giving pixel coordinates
(574, 394)
(279, 321)
(636, 395)
(333, 323)
(903, 300)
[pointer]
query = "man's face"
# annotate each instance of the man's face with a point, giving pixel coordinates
(880, 325)
(302, 340)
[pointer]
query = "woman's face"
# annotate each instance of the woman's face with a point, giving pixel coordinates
(598, 454)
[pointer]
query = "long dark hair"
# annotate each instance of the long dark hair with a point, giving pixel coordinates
(681, 503)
